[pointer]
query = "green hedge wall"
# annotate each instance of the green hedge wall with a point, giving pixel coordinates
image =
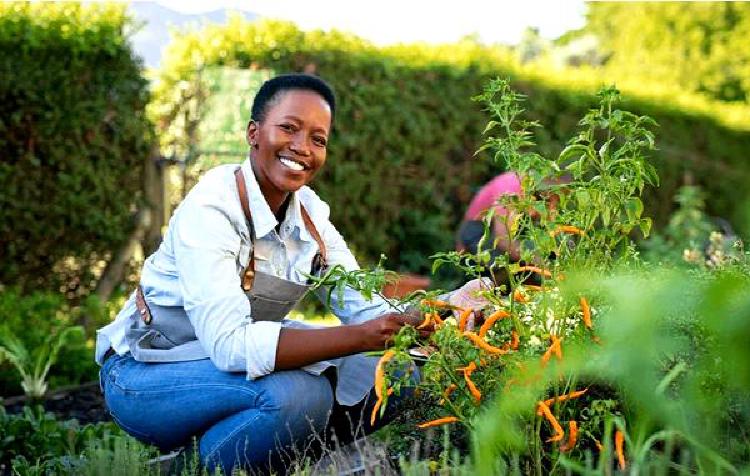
(73, 140)
(401, 164)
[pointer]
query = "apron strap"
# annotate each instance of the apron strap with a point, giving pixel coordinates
(248, 276)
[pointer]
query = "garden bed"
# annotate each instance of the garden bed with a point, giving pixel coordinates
(84, 403)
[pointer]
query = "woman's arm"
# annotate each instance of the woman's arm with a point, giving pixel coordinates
(300, 347)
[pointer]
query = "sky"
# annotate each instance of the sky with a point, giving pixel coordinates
(394, 21)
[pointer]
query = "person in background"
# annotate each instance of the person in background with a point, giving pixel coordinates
(498, 242)
(202, 349)
(471, 228)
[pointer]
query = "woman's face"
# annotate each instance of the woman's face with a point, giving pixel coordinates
(289, 146)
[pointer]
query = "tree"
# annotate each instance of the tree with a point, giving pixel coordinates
(700, 46)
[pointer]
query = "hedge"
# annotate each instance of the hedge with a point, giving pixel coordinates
(73, 141)
(401, 164)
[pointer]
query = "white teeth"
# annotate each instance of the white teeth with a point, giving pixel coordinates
(292, 164)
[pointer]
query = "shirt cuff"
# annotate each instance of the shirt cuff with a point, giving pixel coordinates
(262, 340)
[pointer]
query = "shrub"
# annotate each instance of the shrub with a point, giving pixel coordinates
(401, 169)
(73, 141)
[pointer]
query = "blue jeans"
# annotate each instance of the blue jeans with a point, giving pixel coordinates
(254, 424)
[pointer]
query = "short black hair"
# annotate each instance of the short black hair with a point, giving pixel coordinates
(271, 90)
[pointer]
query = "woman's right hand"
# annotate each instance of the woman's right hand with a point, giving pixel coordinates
(379, 333)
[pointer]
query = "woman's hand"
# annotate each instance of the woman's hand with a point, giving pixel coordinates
(469, 296)
(300, 347)
(379, 333)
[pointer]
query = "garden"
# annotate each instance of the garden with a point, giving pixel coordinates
(617, 344)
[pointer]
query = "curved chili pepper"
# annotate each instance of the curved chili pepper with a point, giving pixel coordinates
(438, 422)
(567, 396)
(380, 382)
(545, 411)
(536, 269)
(572, 436)
(619, 443)
(586, 309)
(463, 318)
(495, 316)
(567, 229)
(479, 342)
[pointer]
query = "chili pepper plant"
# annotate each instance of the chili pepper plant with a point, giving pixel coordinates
(526, 363)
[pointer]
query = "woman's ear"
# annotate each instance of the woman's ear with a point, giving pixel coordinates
(252, 134)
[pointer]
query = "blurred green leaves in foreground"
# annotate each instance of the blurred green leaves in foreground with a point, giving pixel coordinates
(674, 349)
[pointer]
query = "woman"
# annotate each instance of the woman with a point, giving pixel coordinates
(202, 348)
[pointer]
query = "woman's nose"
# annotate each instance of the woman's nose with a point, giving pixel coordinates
(300, 145)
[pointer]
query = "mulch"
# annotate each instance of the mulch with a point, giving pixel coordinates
(84, 403)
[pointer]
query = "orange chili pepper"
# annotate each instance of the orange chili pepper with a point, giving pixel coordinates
(436, 319)
(447, 393)
(567, 396)
(519, 297)
(469, 368)
(375, 411)
(495, 316)
(619, 442)
(572, 436)
(434, 303)
(545, 411)
(380, 371)
(514, 340)
(479, 342)
(438, 422)
(586, 312)
(469, 383)
(449, 390)
(566, 229)
(380, 382)
(377, 407)
(536, 269)
(426, 322)
(463, 317)
(554, 348)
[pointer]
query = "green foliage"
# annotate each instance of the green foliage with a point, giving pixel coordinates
(367, 281)
(33, 364)
(683, 384)
(700, 46)
(650, 367)
(73, 141)
(33, 321)
(400, 172)
(35, 442)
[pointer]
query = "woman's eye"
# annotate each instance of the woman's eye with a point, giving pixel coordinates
(286, 127)
(320, 141)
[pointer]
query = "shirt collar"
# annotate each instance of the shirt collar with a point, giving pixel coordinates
(264, 221)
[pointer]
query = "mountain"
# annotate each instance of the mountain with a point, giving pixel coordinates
(154, 22)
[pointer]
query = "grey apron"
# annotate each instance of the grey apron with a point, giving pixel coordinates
(165, 334)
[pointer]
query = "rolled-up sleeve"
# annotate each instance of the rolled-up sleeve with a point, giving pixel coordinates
(206, 244)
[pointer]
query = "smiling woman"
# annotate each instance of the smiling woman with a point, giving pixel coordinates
(203, 348)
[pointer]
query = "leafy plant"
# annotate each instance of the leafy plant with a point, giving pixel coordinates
(34, 364)
(33, 319)
(516, 356)
(35, 438)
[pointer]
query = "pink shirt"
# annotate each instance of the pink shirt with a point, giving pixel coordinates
(507, 183)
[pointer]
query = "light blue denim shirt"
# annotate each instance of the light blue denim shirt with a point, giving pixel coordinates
(198, 267)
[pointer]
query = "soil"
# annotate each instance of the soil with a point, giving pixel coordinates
(84, 403)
